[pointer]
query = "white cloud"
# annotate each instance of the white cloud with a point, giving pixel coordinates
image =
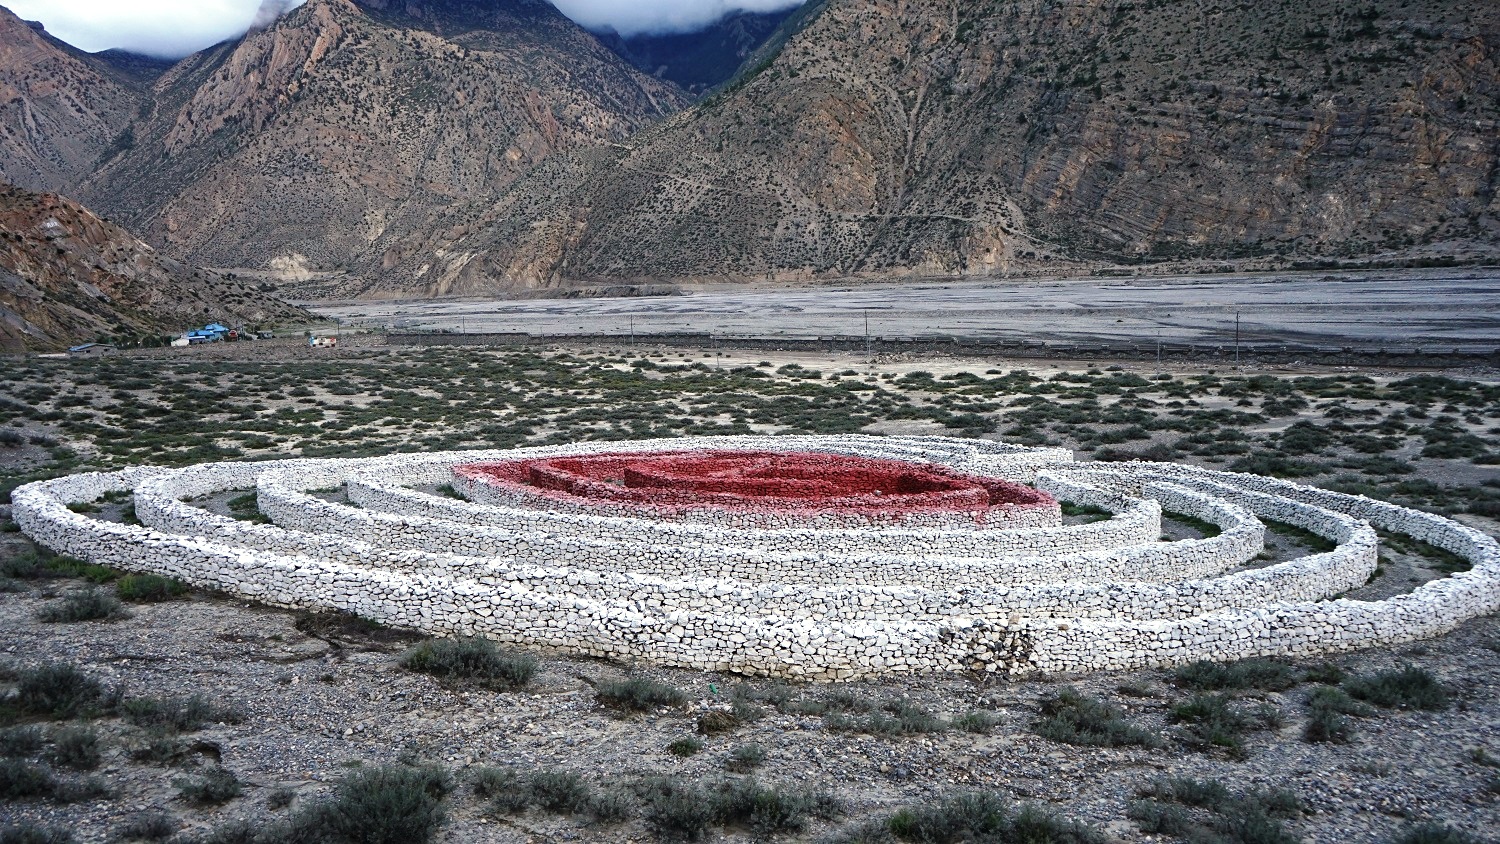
(174, 28)
(169, 28)
(629, 17)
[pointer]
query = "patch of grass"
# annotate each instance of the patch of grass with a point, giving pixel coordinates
(1406, 688)
(1088, 512)
(1073, 718)
(1312, 541)
(1207, 529)
(685, 747)
(1267, 674)
(474, 660)
(149, 588)
(177, 714)
(216, 786)
(63, 566)
(76, 748)
(58, 691)
(89, 604)
(638, 694)
(247, 508)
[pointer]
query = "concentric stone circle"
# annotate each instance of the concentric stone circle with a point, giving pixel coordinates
(789, 597)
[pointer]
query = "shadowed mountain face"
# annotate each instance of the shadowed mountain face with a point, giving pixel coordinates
(304, 145)
(698, 61)
(68, 277)
(60, 109)
(950, 137)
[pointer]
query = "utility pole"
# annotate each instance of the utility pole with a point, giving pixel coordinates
(632, 329)
(1236, 338)
(1158, 349)
(869, 355)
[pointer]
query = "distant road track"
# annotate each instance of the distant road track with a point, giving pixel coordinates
(1447, 309)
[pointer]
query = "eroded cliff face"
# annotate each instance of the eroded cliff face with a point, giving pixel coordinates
(934, 136)
(68, 277)
(61, 110)
(343, 125)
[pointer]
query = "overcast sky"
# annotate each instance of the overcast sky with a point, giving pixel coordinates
(174, 28)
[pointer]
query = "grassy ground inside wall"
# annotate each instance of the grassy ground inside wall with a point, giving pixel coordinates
(134, 709)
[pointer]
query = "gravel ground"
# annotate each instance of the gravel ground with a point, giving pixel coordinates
(322, 694)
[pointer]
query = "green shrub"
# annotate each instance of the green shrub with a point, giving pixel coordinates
(147, 826)
(506, 790)
(1212, 721)
(638, 694)
(76, 748)
(560, 792)
(1268, 674)
(20, 741)
(1434, 833)
(24, 781)
(984, 816)
(387, 805)
(976, 721)
(1252, 817)
(217, 785)
(28, 833)
(63, 566)
(684, 747)
(89, 604)
(770, 810)
(746, 758)
(474, 660)
(1072, 718)
(180, 714)
(1406, 688)
(149, 588)
(58, 691)
(676, 811)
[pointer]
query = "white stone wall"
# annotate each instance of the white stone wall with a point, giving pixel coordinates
(800, 603)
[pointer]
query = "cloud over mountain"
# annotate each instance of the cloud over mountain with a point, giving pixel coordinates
(175, 28)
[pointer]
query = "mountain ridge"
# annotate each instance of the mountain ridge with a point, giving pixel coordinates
(67, 276)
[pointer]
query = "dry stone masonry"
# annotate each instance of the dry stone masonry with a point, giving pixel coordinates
(815, 557)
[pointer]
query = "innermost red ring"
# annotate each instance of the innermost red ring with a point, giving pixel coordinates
(784, 483)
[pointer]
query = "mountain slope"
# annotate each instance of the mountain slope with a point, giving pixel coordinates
(938, 136)
(67, 277)
(60, 109)
(304, 145)
(698, 61)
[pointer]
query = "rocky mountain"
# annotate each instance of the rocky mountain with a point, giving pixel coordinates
(303, 146)
(698, 61)
(61, 110)
(68, 277)
(946, 137)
